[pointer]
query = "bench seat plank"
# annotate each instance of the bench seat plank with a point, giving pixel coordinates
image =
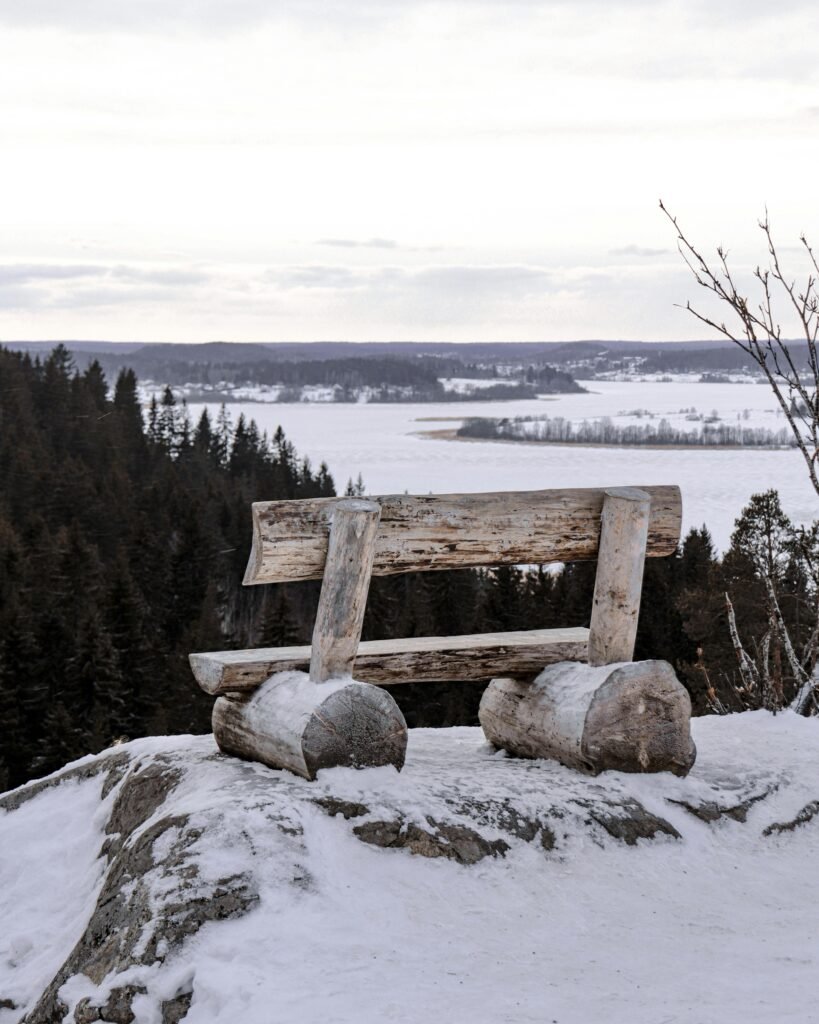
(410, 660)
(450, 531)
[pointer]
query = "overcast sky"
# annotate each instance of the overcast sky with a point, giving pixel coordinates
(486, 170)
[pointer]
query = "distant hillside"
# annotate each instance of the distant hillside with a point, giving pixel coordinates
(483, 352)
(340, 372)
(403, 371)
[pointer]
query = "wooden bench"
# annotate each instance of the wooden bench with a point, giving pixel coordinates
(345, 541)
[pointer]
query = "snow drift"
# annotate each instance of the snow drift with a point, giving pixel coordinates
(162, 881)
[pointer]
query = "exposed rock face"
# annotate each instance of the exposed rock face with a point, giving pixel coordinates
(455, 842)
(143, 862)
(807, 814)
(189, 838)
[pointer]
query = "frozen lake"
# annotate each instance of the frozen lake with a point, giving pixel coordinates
(382, 443)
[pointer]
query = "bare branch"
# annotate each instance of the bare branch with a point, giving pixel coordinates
(759, 334)
(747, 669)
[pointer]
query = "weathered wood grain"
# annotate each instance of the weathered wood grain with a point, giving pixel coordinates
(448, 531)
(619, 581)
(632, 718)
(414, 659)
(344, 588)
(292, 723)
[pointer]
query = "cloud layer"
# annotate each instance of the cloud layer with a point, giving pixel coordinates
(375, 169)
(222, 15)
(458, 302)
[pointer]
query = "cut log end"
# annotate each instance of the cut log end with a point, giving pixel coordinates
(640, 720)
(632, 717)
(292, 723)
(359, 726)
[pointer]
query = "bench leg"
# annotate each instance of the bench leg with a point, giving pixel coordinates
(347, 573)
(629, 718)
(289, 722)
(621, 558)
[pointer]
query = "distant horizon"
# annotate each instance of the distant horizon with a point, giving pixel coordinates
(376, 341)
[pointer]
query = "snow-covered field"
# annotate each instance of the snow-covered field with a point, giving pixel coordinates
(385, 444)
(717, 925)
(464, 385)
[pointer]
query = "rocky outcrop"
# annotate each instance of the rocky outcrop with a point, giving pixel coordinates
(150, 857)
(189, 839)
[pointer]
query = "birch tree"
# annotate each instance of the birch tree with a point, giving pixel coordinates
(753, 323)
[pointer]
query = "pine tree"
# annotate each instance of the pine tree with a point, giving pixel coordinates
(96, 387)
(16, 662)
(355, 489)
(183, 442)
(697, 557)
(65, 740)
(242, 450)
(154, 432)
(127, 622)
(167, 422)
(279, 627)
(504, 599)
(764, 535)
(94, 685)
(220, 452)
(203, 435)
(128, 412)
(324, 482)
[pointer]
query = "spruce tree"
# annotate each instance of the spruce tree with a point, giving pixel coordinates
(17, 659)
(279, 627)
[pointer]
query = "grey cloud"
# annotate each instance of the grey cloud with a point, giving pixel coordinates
(456, 300)
(23, 273)
(638, 250)
(511, 279)
(88, 298)
(447, 296)
(351, 243)
(469, 280)
(168, 277)
(315, 276)
(74, 285)
(150, 16)
(17, 297)
(28, 273)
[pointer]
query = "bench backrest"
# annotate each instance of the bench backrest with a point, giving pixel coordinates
(344, 541)
(417, 533)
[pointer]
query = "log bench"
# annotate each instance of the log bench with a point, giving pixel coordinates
(308, 723)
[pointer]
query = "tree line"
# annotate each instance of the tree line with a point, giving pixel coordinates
(559, 430)
(124, 537)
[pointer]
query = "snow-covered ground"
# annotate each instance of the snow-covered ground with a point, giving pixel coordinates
(466, 385)
(385, 444)
(256, 393)
(714, 376)
(717, 925)
(225, 391)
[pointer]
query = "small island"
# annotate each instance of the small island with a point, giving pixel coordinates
(711, 432)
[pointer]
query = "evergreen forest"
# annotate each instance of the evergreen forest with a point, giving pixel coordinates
(124, 537)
